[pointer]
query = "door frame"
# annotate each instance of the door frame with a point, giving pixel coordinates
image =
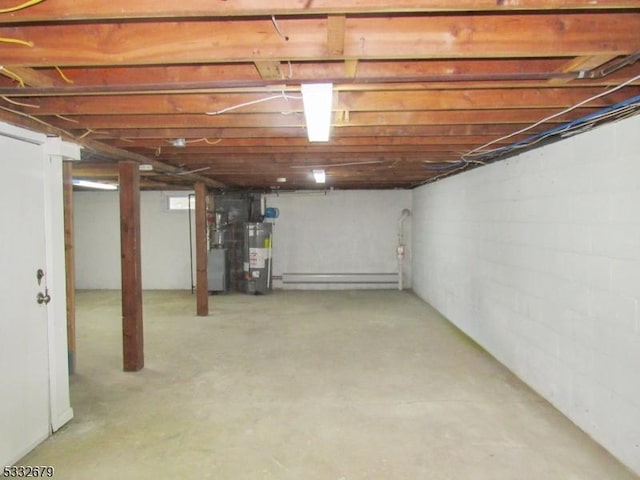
(57, 151)
(53, 152)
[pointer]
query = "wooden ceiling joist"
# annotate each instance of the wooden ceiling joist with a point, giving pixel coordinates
(460, 36)
(93, 10)
(414, 81)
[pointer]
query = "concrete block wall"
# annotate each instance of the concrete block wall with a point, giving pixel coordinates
(164, 236)
(354, 231)
(537, 258)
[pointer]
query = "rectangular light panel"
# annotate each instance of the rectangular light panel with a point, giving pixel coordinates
(317, 99)
(96, 185)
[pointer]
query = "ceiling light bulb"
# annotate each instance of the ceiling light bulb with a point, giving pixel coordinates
(179, 142)
(281, 179)
(317, 99)
(319, 176)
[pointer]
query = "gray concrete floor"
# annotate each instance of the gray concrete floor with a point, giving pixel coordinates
(305, 385)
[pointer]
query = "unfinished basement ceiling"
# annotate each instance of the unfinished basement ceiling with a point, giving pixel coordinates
(420, 87)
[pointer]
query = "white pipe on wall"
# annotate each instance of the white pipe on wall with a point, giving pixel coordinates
(400, 248)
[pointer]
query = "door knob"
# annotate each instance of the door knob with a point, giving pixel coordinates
(43, 298)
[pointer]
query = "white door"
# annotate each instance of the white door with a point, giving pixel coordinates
(24, 368)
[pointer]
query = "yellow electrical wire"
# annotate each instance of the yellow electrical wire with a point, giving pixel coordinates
(16, 40)
(36, 119)
(64, 77)
(28, 4)
(12, 75)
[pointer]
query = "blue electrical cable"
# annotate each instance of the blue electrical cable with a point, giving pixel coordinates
(443, 166)
(565, 127)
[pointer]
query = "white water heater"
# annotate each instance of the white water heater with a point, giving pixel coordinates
(257, 257)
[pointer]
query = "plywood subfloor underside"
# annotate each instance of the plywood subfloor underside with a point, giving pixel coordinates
(305, 385)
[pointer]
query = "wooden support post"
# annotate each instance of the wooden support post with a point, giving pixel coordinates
(132, 338)
(69, 264)
(202, 287)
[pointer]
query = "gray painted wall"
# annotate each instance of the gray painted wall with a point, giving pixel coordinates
(538, 259)
(350, 231)
(164, 235)
(340, 231)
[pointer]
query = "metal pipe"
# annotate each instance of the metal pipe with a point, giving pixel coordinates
(191, 242)
(615, 66)
(400, 249)
(269, 260)
(206, 87)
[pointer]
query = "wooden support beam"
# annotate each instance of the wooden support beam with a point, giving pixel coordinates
(132, 336)
(70, 264)
(202, 287)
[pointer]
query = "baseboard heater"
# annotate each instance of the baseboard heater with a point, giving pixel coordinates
(390, 279)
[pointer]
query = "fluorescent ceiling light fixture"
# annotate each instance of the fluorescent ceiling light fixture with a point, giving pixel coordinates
(317, 99)
(96, 185)
(319, 176)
